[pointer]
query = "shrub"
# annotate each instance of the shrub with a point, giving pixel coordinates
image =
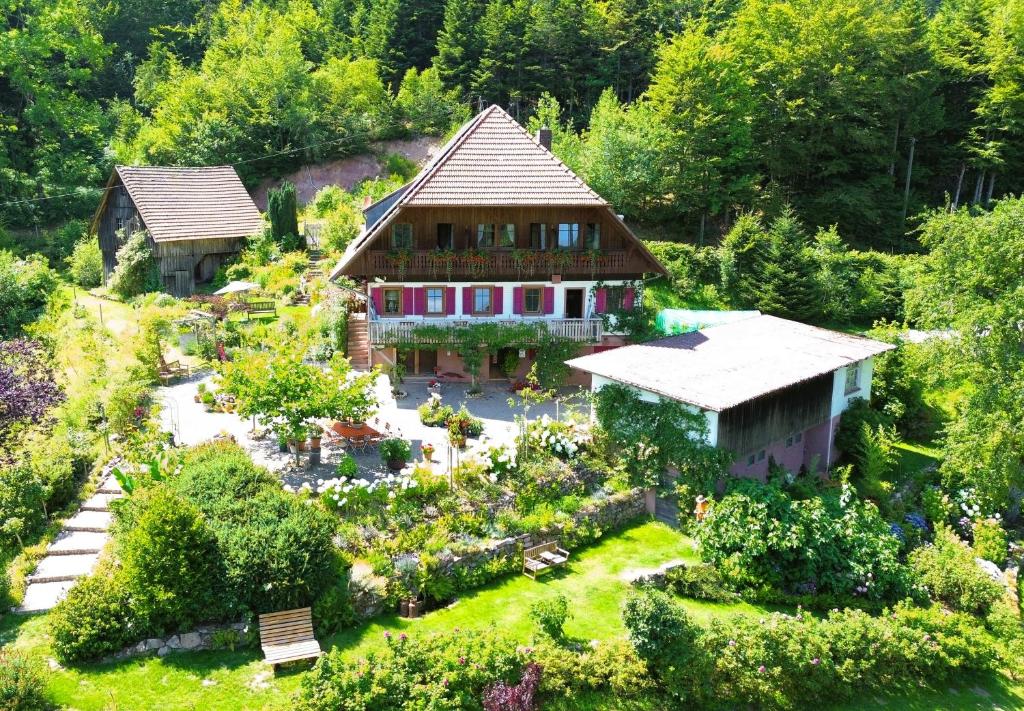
(22, 687)
(169, 561)
(395, 449)
(136, 270)
(665, 638)
(95, 619)
(990, 541)
(347, 466)
(433, 414)
(849, 436)
(520, 697)
(449, 670)
(25, 289)
(22, 499)
(700, 582)
(86, 263)
(947, 569)
(550, 614)
(831, 543)
(284, 221)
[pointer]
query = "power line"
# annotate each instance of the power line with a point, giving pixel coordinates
(349, 138)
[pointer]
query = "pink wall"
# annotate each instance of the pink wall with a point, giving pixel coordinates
(812, 448)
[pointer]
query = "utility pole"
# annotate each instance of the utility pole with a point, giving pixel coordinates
(906, 184)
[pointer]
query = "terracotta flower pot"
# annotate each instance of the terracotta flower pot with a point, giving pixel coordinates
(396, 464)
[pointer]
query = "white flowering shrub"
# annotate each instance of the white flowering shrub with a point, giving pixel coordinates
(564, 440)
(357, 495)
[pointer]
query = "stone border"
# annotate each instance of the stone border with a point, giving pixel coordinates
(199, 638)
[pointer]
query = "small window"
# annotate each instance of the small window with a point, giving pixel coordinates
(799, 437)
(482, 301)
(789, 441)
(852, 378)
(593, 236)
(568, 235)
(533, 300)
(750, 460)
(507, 236)
(614, 299)
(435, 300)
(119, 223)
(392, 302)
(401, 236)
(538, 236)
(484, 236)
(445, 236)
(760, 455)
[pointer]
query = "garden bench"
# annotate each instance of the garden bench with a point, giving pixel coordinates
(260, 307)
(287, 636)
(171, 370)
(540, 558)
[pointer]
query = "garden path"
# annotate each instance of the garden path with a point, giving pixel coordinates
(75, 550)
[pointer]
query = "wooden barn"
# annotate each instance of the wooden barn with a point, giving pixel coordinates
(770, 389)
(196, 218)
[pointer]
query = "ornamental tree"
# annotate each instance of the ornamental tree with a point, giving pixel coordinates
(28, 387)
(285, 393)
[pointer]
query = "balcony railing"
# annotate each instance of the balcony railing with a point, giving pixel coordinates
(479, 263)
(386, 332)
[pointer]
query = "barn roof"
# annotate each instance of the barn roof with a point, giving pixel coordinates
(491, 161)
(191, 203)
(723, 366)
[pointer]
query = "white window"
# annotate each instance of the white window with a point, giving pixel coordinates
(392, 302)
(484, 236)
(482, 300)
(568, 235)
(852, 378)
(533, 300)
(435, 300)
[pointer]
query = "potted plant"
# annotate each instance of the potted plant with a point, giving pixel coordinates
(200, 392)
(428, 452)
(455, 434)
(209, 400)
(395, 452)
(282, 443)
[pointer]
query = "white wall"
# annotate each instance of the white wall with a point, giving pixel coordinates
(598, 381)
(507, 296)
(840, 398)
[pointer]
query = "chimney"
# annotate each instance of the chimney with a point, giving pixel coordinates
(544, 137)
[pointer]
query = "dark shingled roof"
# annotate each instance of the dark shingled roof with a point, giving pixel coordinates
(191, 203)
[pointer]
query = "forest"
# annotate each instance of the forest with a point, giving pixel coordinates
(685, 114)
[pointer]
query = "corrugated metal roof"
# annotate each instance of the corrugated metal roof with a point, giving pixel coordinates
(723, 366)
(191, 203)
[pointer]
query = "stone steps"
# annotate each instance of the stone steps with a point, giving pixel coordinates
(44, 596)
(98, 521)
(77, 543)
(100, 501)
(61, 568)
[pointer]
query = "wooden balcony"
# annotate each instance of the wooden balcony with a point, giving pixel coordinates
(520, 264)
(385, 331)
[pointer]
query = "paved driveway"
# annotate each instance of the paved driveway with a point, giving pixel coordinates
(191, 424)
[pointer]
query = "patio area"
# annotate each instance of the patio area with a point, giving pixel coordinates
(191, 424)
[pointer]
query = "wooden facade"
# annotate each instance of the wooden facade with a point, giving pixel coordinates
(775, 416)
(454, 230)
(182, 263)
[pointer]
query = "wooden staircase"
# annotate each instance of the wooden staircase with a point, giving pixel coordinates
(358, 341)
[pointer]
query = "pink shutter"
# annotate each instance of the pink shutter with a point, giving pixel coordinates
(601, 299)
(499, 300)
(467, 301)
(517, 300)
(628, 297)
(378, 300)
(549, 299)
(450, 301)
(420, 303)
(408, 301)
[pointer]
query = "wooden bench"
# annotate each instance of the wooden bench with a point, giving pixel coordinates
(540, 558)
(287, 636)
(171, 370)
(259, 307)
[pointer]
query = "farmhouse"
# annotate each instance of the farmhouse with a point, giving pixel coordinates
(769, 388)
(495, 230)
(195, 218)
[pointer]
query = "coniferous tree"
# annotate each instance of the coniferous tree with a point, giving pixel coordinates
(283, 212)
(458, 43)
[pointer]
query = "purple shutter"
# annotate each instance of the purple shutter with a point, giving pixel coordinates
(627, 298)
(602, 300)
(517, 300)
(549, 299)
(421, 301)
(408, 301)
(450, 301)
(499, 300)
(378, 300)
(467, 301)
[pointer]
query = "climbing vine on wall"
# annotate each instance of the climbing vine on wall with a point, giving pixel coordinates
(656, 435)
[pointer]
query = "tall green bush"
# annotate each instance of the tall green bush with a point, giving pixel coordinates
(95, 619)
(25, 289)
(947, 569)
(136, 270)
(282, 209)
(85, 264)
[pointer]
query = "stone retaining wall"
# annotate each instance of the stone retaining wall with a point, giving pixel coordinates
(199, 638)
(369, 592)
